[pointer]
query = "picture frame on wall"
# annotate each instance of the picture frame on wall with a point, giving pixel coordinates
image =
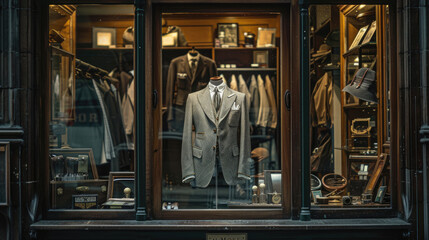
(4, 173)
(369, 35)
(261, 58)
(228, 34)
(266, 37)
(103, 37)
(358, 37)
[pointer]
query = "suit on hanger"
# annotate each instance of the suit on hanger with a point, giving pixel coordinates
(254, 100)
(233, 83)
(264, 107)
(242, 87)
(181, 81)
(272, 122)
(229, 129)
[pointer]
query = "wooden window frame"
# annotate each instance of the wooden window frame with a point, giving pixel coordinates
(154, 156)
(66, 214)
(392, 147)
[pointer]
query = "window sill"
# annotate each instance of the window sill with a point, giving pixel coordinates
(221, 225)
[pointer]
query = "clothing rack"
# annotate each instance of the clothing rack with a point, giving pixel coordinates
(86, 67)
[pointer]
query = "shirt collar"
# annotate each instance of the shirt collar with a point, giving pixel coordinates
(220, 87)
(191, 57)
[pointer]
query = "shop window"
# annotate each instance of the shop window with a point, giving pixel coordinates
(91, 127)
(350, 106)
(220, 129)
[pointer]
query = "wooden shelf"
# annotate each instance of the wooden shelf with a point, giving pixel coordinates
(369, 48)
(184, 48)
(247, 69)
(220, 48)
(363, 158)
(104, 49)
(64, 52)
(356, 106)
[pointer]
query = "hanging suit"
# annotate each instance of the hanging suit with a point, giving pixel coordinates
(272, 122)
(242, 87)
(233, 83)
(181, 82)
(254, 100)
(264, 105)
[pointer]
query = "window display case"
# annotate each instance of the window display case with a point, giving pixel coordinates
(92, 98)
(348, 121)
(223, 159)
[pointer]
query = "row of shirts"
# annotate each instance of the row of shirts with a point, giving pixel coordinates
(260, 96)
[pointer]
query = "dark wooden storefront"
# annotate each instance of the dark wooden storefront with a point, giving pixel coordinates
(23, 124)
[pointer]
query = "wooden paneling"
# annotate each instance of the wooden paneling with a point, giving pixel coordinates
(199, 35)
(86, 23)
(200, 30)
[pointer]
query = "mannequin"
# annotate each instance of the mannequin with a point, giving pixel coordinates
(193, 52)
(216, 80)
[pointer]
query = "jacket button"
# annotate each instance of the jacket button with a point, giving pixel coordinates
(214, 130)
(217, 118)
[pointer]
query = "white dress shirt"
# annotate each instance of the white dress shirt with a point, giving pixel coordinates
(190, 57)
(220, 87)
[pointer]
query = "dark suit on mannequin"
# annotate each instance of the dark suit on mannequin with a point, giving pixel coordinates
(180, 82)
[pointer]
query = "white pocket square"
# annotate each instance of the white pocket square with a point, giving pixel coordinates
(235, 107)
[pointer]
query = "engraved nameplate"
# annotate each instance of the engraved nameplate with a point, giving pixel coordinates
(226, 236)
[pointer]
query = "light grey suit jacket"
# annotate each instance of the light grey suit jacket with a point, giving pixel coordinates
(232, 127)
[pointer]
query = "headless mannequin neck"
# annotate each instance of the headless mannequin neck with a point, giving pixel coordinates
(216, 82)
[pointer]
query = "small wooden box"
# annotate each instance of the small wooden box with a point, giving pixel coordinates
(63, 191)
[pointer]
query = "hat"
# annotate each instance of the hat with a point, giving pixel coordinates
(260, 153)
(128, 35)
(324, 49)
(363, 85)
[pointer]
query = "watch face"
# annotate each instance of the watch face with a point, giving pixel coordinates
(276, 198)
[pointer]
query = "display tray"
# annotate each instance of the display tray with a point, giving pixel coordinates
(63, 192)
(340, 205)
(252, 205)
(119, 204)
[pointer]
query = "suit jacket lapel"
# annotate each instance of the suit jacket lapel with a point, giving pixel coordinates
(187, 68)
(228, 98)
(206, 103)
(200, 66)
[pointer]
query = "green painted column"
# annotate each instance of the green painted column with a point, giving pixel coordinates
(140, 144)
(305, 113)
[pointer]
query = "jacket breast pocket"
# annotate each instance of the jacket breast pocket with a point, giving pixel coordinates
(182, 82)
(197, 152)
(234, 118)
(235, 151)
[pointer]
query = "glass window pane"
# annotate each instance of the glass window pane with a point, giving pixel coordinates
(350, 157)
(220, 120)
(91, 106)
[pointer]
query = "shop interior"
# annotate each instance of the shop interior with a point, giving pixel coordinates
(350, 106)
(92, 108)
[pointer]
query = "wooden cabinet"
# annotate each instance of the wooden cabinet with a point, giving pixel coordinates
(362, 33)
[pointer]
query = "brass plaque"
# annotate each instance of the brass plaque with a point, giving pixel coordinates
(226, 236)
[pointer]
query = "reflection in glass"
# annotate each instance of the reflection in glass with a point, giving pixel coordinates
(92, 104)
(219, 129)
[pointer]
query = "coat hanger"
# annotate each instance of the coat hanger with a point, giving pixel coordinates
(193, 52)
